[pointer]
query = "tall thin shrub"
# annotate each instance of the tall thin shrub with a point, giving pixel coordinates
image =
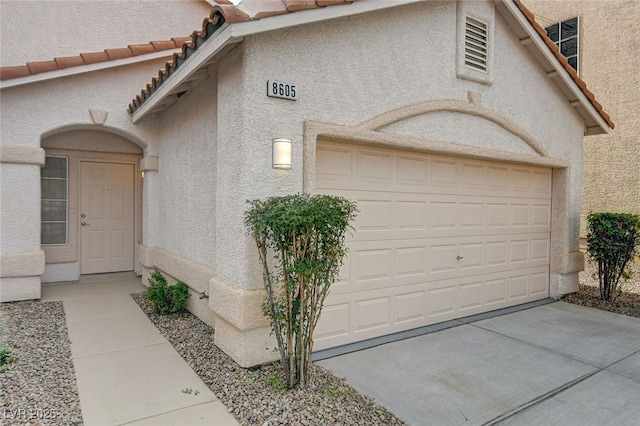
(612, 241)
(300, 240)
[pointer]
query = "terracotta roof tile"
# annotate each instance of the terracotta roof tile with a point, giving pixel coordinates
(141, 49)
(69, 61)
(163, 45)
(269, 13)
(42, 66)
(7, 73)
(94, 57)
(225, 12)
(119, 53)
(63, 62)
(563, 61)
(295, 5)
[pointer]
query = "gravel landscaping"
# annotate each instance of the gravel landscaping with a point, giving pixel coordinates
(39, 386)
(627, 303)
(255, 396)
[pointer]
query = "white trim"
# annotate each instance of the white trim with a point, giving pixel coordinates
(192, 64)
(309, 16)
(235, 33)
(81, 69)
(562, 73)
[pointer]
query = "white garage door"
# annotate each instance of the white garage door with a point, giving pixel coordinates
(436, 238)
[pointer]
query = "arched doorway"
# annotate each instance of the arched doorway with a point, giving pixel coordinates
(91, 204)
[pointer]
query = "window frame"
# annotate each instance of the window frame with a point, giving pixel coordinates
(66, 200)
(561, 40)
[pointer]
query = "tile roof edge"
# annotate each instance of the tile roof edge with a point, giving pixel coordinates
(60, 63)
(529, 15)
(230, 14)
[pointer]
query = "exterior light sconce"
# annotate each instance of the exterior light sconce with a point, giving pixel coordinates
(281, 154)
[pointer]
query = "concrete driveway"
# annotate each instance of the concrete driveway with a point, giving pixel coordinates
(556, 364)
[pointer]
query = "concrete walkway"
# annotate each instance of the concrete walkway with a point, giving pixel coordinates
(127, 372)
(554, 364)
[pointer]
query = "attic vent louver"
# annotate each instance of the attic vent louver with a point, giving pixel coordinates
(475, 44)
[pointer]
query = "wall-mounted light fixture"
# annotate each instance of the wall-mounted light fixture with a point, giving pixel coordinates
(281, 153)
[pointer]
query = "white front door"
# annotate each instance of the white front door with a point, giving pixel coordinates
(106, 217)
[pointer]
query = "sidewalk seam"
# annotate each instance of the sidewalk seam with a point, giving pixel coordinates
(166, 342)
(168, 412)
(552, 393)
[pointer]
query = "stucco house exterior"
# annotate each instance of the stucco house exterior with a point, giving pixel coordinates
(608, 46)
(456, 126)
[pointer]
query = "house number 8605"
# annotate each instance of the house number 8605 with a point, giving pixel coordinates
(278, 89)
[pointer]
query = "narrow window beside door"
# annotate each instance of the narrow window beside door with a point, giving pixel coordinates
(54, 179)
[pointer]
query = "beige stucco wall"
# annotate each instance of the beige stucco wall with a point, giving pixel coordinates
(40, 30)
(342, 72)
(348, 83)
(180, 209)
(35, 111)
(609, 63)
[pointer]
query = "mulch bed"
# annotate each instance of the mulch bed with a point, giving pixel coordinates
(626, 303)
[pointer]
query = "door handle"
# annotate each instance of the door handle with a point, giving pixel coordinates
(458, 257)
(84, 224)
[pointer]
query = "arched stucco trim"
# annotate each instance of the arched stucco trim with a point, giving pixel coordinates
(97, 128)
(378, 123)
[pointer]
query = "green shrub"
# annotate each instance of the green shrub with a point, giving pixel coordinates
(5, 354)
(612, 241)
(163, 298)
(300, 241)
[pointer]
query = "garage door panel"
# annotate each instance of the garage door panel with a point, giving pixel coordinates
(410, 307)
(334, 164)
(334, 322)
(473, 175)
(372, 313)
(373, 264)
(469, 215)
(422, 304)
(399, 262)
(412, 170)
(376, 166)
(436, 238)
(444, 173)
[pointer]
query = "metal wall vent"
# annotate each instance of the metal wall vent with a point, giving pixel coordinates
(475, 45)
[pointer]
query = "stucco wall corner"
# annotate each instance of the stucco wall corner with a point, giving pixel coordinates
(145, 255)
(575, 262)
(22, 288)
(562, 284)
(242, 309)
(22, 264)
(149, 163)
(17, 154)
(247, 348)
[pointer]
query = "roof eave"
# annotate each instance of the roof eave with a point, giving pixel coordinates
(232, 33)
(594, 122)
(201, 58)
(82, 69)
